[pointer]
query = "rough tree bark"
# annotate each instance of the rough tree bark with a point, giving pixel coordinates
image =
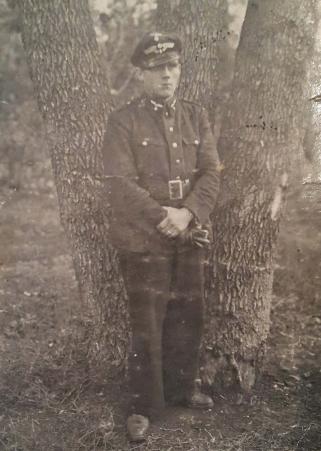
(262, 128)
(73, 97)
(261, 133)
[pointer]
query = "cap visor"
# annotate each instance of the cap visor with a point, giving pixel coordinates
(160, 60)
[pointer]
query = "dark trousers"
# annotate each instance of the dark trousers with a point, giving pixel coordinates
(166, 312)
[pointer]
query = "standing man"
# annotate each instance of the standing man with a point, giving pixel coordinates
(161, 168)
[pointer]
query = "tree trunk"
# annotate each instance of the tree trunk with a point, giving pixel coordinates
(262, 128)
(73, 97)
(262, 132)
(312, 139)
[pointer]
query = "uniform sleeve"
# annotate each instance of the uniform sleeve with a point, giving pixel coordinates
(126, 197)
(201, 200)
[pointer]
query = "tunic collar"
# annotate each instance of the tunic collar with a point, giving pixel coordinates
(169, 105)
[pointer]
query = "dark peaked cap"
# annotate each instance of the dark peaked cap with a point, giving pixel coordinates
(155, 49)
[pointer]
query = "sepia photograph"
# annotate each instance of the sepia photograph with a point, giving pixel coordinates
(160, 225)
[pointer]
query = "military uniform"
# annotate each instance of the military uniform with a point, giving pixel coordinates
(160, 154)
(148, 148)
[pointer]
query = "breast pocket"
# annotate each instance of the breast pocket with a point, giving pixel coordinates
(191, 146)
(151, 157)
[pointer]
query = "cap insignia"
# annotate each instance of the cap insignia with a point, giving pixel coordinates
(159, 48)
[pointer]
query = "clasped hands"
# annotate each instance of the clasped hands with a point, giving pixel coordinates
(176, 225)
(176, 221)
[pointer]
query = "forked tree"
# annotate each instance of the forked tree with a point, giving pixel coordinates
(261, 133)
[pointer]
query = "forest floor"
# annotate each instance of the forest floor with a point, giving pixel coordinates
(46, 405)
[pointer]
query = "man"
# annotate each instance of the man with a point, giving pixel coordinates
(161, 169)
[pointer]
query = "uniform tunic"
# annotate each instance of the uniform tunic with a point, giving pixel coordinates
(146, 145)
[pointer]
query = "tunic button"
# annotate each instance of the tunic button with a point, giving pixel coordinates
(166, 114)
(174, 145)
(178, 161)
(144, 143)
(196, 141)
(171, 129)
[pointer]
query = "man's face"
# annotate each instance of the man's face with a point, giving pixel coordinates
(162, 81)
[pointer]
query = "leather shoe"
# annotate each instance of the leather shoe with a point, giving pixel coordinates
(137, 427)
(199, 400)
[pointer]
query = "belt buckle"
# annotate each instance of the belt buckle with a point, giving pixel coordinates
(204, 233)
(175, 188)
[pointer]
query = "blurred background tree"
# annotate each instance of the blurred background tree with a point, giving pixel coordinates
(22, 148)
(118, 25)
